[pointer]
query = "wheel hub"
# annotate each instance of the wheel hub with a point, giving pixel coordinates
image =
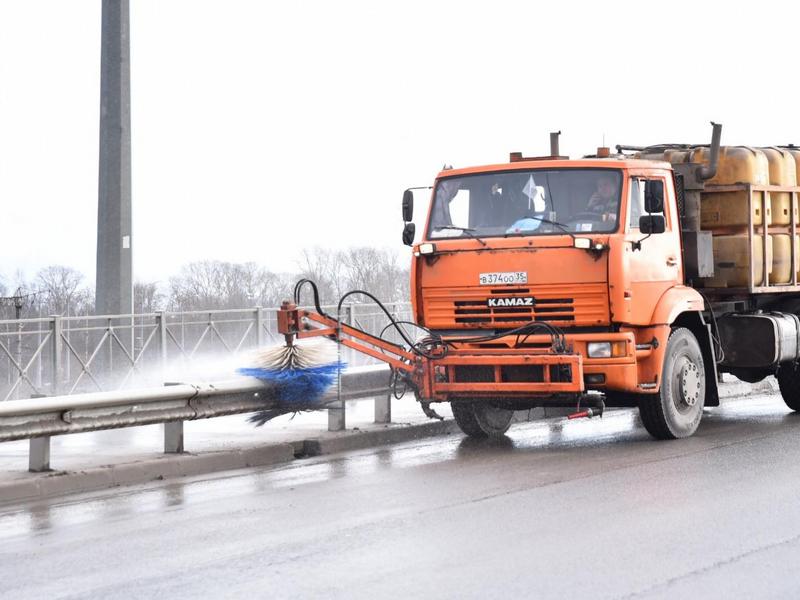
(690, 384)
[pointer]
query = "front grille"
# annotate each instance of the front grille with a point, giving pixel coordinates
(576, 305)
(543, 309)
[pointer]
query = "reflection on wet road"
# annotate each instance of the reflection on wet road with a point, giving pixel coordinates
(557, 509)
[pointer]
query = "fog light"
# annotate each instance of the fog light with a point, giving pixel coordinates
(598, 349)
(594, 378)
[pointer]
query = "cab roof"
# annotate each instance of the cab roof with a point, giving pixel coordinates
(583, 163)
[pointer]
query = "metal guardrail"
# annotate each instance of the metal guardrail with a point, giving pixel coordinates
(69, 355)
(38, 419)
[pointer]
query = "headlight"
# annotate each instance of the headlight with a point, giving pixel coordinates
(605, 349)
(598, 349)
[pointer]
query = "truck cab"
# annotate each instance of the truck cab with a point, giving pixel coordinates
(556, 282)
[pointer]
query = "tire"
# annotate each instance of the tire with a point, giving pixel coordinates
(675, 412)
(480, 419)
(789, 383)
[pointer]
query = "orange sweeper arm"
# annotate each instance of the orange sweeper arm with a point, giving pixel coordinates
(433, 372)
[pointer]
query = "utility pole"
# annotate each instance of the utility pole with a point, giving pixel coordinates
(114, 289)
(18, 301)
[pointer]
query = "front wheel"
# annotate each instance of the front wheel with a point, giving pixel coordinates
(675, 412)
(480, 419)
(789, 383)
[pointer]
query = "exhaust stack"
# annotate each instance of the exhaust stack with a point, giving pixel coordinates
(708, 171)
(554, 143)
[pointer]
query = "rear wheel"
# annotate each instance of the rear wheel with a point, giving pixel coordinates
(480, 419)
(789, 384)
(675, 412)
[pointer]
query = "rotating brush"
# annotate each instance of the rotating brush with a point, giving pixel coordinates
(299, 375)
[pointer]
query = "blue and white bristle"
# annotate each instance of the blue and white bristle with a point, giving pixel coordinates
(299, 375)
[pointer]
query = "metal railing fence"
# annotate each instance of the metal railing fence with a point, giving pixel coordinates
(66, 355)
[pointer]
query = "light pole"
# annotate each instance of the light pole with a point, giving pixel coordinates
(114, 283)
(114, 293)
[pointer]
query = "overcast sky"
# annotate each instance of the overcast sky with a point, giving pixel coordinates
(263, 127)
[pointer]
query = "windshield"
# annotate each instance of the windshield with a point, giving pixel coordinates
(531, 202)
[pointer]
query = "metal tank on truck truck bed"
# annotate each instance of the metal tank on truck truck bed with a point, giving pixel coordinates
(612, 280)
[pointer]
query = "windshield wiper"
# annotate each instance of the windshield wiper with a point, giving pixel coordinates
(561, 226)
(594, 248)
(469, 231)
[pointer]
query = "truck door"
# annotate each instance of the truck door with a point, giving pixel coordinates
(654, 262)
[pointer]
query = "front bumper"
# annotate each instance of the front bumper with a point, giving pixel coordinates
(506, 369)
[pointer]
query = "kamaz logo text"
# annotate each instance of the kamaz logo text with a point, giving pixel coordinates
(528, 301)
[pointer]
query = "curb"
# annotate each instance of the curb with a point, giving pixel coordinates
(58, 483)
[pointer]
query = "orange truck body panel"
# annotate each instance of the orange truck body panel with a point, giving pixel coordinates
(618, 295)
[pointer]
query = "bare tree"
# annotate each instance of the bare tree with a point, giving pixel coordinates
(217, 284)
(323, 267)
(376, 271)
(61, 288)
(274, 288)
(212, 284)
(147, 298)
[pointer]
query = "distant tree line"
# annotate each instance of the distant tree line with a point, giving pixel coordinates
(214, 284)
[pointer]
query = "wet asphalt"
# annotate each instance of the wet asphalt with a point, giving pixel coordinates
(588, 509)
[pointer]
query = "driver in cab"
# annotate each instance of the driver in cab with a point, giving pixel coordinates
(603, 202)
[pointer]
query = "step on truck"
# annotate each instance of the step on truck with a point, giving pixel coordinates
(627, 279)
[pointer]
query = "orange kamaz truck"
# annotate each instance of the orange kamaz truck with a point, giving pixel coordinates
(627, 279)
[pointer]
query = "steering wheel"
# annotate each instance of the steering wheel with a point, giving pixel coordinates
(586, 216)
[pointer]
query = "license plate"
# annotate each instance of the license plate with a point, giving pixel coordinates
(507, 278)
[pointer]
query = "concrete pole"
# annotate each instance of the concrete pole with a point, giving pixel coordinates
(114, 235)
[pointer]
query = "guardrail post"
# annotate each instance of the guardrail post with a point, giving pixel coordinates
(39, 450)
(173, 434)
(39, 454)
(259, 327)
(337, 418)
(161, 326)
(56, 353)
(173, 437)
(383, 409)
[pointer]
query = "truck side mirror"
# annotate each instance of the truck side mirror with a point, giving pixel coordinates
(654, 196)
(650, 224)
(408, 234)
(408, 205)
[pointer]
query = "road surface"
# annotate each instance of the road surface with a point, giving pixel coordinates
(589, 509)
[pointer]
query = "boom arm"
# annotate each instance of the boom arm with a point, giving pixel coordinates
(295, 322)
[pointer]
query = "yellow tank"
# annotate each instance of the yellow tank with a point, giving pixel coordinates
(781, 259)
(797, 255)
(721, 209)
(676, 156)
(670, 156)
(737, 164)
(795, 152)
(732, 260)
(782, 171)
